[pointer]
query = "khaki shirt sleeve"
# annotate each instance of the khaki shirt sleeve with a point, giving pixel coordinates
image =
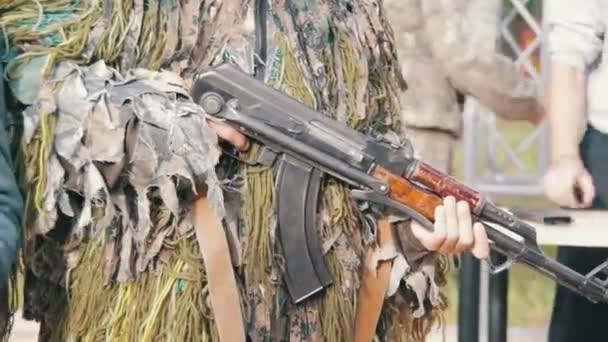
(461, 37)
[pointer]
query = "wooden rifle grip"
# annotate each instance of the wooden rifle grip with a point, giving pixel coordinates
(401, 190)
(444, 185)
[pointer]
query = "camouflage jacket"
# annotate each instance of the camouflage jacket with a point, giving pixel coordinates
(447, 48)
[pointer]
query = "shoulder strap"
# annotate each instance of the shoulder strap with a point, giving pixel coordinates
(221, 280)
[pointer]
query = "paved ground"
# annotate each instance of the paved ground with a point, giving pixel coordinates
(23, 331)
(514, 335)
(26, 332)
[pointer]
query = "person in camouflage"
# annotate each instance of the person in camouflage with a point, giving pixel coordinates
(113, 151)
(447, 50)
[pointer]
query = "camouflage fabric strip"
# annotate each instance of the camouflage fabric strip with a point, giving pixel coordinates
(173, 23)
(218, 28)
(150, 34)
(311, 20)
(189, 12)
(97, 32)
(285, 24)
(136, 17)
(113, 35)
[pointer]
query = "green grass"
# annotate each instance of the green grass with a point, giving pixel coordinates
(530, 296)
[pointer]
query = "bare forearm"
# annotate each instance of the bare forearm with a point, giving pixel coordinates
(566, 110)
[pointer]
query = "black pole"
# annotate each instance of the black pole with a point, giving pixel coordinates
(497, 308)
(468, 299)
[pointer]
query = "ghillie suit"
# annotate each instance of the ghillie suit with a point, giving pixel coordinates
(112, 150)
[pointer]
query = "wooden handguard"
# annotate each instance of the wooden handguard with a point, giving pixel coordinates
(444, 186)
(401, 190)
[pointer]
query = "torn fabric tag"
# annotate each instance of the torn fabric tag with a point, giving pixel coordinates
(422, 282)
(400, 268)
(386, 252)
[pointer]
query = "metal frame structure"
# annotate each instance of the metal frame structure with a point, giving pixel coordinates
(481, 296)
(483, 140)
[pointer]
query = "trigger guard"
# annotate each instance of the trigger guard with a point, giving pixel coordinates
(497, 268)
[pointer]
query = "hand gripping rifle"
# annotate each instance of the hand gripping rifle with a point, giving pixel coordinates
(305, 145)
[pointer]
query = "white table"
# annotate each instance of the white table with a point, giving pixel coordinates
(588, 229)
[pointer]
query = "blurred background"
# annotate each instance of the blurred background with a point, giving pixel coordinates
(506, 160)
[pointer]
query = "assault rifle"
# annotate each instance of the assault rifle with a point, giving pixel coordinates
(304, 145)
